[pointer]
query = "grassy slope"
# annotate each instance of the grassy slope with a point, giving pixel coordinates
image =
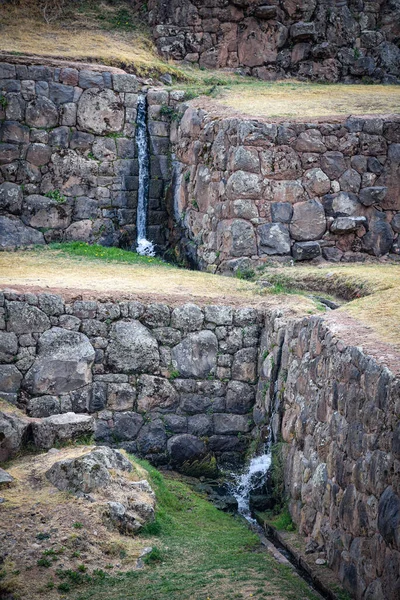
(199, 553)
(373, 288)
(113, 33)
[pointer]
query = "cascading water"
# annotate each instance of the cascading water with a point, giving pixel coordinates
(143, 245)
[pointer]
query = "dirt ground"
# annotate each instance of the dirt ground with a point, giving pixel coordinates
(57, 527)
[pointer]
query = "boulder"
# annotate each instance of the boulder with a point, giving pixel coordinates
(219, 315)
(333, 164)
(152, 438)
(133, 349)
(185, 448)
(100, 111)
(61, 428)
(274, 238)
(63, 363)
(236, 238)
(89, 472)
(44, 406)
(127, 426)
(308, 222)
(10, 197)
(196, 355)
(379, 238)
(23, 318)
(306, 250)
(156, 393)
(42, 212)
(14, 234)
(14, 432)
(5, 478)
(41, 113)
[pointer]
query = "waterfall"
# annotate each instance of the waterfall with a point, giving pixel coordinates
(253, 477)
(143, 245)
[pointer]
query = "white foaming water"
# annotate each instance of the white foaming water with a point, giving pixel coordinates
(144, 246)
(251, 479)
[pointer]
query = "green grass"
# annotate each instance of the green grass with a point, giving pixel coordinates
(198, 553)
(97, 252)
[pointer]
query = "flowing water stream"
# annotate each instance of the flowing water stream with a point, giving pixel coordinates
(143, 245)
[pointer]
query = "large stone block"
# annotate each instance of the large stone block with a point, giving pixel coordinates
(10, 197)
(236, 238)
(196, 355)
(243, 185)
(40, 211)
(14, 433)
(41, 112)
(231, 424)
(133, 349)
(185, 448)
(100, 111)
(274, 238)
(60, 428)
(308, 221)
(64, 361)
(10, 379)
(23, 318)
(187, 318)
(240, 397)
(244, 366)
(156, 393)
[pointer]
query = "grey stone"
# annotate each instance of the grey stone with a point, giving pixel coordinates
(167, 335)
(61, 428)
(342, 204)
(5, 478)
(389, 517)
(97, 399)
(8, 153)
(395, 223)
(105, 149)
(156, 315)
(347, 224)
(308, 222)
(40, 211)
(14, 433)
(44, 406)
(38, 154)
(127, 426)
(316, 182)
(219, 315)
(100, 111)
(281, 212)
(306, 250)
(379, 238)
(302, 31)
(236, 238)
(60, 94)
(85, 208)
(10, 379)
(373, 195)
(310, 141)
(185, 448)
(156, 393)
(231, 424)
(51, 304)
(90, 79)
(81, 141)
(10, 197)
(63, 363)
(13, 132)
(7, 71)
(152, 438)
(89, 472)
(244, 366)
(23, 318)
(59, 138)
(41, 112)
(245, 316)
(274, 238)
(187, 318)
(132, 349)
(124, 82)
(196, 355)
(121, 396)
(240, 397)
(333, 164)
(8, 346)
(200, 425)
(350, 181)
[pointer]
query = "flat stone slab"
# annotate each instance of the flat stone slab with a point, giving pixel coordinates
(61, 428)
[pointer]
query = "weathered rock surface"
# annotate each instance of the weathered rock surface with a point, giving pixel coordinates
(14, 433)
(100, 111)
(14, 234)
(5, 478)
(61, 428)
(101, 476)
(133, 349)
(63, 363)
(196, 355)
(185, 448)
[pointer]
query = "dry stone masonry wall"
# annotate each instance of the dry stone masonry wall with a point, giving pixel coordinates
(338, 422)
(328, 40)
(68, 158)
(247, 190)
(173, 384)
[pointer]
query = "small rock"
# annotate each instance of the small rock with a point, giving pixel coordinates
(5, 478)
(320, 561)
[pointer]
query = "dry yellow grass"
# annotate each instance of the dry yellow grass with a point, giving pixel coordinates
(47, 268)
(375, 288)
(298, 100)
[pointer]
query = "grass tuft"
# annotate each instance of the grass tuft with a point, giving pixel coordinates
(97, 252)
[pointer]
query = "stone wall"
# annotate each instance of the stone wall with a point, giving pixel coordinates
(338, 418)
(173, 384)
(248, 190)
(68, 158)
(328, 40)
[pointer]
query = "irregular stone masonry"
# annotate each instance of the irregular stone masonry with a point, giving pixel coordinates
(326, 40)
(72, 131)
(339, 424)
(173, 384)
(183, 384)
(249, 190)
